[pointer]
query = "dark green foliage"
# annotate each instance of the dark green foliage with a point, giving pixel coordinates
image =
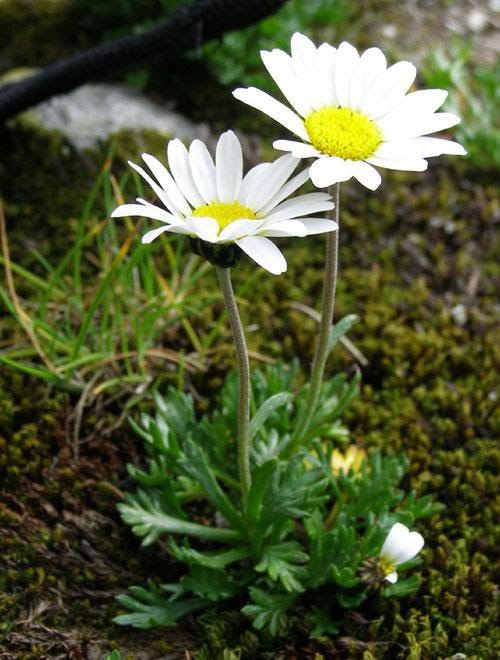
(303, 529)
(237, 59)
(474, 94)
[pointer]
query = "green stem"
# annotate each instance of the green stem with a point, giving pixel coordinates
(224, 276)
(327, 309)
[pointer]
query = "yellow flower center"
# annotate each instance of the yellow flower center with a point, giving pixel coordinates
(342, 132)
(387, 567)
(224, 212)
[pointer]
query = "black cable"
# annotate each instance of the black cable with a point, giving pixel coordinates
(188, 28)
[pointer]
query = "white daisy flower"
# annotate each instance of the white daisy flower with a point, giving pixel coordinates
(400, 546)
(217, 204)
(352, 113)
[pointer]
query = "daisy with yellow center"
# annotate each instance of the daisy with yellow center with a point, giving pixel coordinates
(214, 202)
(352, 112)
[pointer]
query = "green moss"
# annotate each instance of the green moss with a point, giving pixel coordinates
(36, 33)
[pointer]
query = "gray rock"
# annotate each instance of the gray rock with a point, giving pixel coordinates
(94, 112)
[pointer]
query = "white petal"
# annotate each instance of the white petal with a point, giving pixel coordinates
(154, 233)
(240, 228)
(205, 228)
(388, 89)
(265, 187)
(254, 178)
(432, 146)
(229, 167)
(276, 110)
(302, 48)
(153, 212)
(392, 577)
(371, 64)
(346, 62)
(307, 64)
(319, 225)
(328, 57)
(326, 171)
(366, 174)
(144, 202)
(174, 229)
(178, 160)
(280, 66)
(405, 165)
(160, 193)
(394, 542)
(203, 171)
(419, 147)
(283, 229)
(398, 150)
(297, 149)
(300, 206)
(414, 543)
(421, 102)
(168, 184)
(285, 191)
(405, 126)
(264, 252)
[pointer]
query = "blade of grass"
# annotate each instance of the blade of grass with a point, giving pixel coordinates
(43, 374)
(105, 283)
(24, 318)
(38, 282)
(186, 324)
(80, 234)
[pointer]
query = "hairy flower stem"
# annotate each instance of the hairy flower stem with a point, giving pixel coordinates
(327, 309)
(224, 275)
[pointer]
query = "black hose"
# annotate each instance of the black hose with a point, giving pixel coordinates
(189, 27)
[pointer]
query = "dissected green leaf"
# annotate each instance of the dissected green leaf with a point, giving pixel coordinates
(268, 610)
(150, 609)
(374, 489)
(350, 599)
(422, 507)
(345, 577)
(283, 562)
(210, 583)
(149, 520)
(195, 464)
(341, 328)
(261, 480)
(267, 409)
(402, 587)
(323, 623)
(216, 560)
